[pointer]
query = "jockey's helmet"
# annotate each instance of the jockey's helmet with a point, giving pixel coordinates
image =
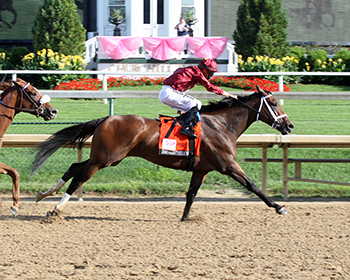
(209, 64)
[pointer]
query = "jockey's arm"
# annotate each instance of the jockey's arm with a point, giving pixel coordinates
(225, 93)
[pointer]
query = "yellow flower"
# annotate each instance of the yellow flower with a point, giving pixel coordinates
(42, 62)
(60, 65)
(323, 66)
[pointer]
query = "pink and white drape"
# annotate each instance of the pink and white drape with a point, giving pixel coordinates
(163, 48)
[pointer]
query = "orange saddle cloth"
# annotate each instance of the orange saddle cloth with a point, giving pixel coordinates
(172, 142)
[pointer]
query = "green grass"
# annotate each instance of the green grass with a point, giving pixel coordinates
(136, 176)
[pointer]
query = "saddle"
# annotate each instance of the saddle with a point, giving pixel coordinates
(173, 143)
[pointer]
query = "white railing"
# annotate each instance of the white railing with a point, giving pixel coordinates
(111, 95)
(104, 74)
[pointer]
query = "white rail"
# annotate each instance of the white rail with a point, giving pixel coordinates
(104, 74)
(111, 95)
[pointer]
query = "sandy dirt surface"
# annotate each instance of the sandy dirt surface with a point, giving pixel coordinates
(109, 238)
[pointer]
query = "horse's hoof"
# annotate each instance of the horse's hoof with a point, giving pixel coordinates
(282, 211)
(51, 213)
(39, 196)
(14, 211)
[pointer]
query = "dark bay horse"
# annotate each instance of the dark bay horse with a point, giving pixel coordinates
(19, 96)
(117, 137)
(6, 5)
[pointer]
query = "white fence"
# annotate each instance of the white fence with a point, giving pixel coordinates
(111, 95)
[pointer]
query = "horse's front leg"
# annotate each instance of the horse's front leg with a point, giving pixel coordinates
(196, 182)
(7, 170)
(237, 173)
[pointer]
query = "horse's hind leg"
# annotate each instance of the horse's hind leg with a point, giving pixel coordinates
(196, 182)
(7, 170)
(14, 14)
(86, 172)
(72, 171)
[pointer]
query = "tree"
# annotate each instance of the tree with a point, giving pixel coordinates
(57, 26)
(261, 29)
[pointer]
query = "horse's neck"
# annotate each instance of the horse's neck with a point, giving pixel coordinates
(6, 114)
(239, 119)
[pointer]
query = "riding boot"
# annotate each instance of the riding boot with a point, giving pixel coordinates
(187, 127)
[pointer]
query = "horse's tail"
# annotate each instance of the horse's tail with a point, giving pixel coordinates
(74, 135)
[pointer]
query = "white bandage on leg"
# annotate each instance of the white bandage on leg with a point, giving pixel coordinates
(55, 188)
(63, 201)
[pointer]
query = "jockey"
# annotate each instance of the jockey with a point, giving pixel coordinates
(173, 92)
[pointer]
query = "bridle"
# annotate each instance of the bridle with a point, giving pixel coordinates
(275, 118)
(263, 101)
(38, 104)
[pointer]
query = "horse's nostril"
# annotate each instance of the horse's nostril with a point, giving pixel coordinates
(53, 111)
(291, 126)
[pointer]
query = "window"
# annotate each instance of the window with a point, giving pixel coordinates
(187, 5)
(160, 12)
(147, 11)
(117, 9)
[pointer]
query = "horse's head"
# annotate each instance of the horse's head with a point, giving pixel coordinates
(271, 113)
(30, 98)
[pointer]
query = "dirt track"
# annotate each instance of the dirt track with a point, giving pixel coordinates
(146, 240)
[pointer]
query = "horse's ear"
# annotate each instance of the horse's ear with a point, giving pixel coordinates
(15, 83)
(258, 89)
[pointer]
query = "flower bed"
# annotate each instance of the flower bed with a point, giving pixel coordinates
(112, 82)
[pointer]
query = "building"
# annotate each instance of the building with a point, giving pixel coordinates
(310, 21)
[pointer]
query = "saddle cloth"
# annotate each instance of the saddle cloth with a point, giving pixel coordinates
(172, 142)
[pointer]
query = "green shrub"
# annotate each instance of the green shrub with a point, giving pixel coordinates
(261, 29)
(46, 59)
(261, 63)
(316, 58)
(16, 55)
(299, 53)
(344, 55)
(57, 26)
(4, 61)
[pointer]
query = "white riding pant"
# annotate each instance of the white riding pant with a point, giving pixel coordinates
(178, 100)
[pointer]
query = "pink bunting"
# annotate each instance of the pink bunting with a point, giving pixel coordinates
(164, 48)
(207, 46)
(120, 47)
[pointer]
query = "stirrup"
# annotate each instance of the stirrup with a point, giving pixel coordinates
(187, 131)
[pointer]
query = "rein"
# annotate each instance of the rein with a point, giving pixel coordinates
(38, 110)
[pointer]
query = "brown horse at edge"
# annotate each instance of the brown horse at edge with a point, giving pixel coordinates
(116, 137)
(19, 96)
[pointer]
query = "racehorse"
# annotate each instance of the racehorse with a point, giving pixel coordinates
(6, 5)
(116, 137)
(19, 96)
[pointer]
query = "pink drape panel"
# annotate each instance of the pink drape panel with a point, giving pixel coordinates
(206, 47)
(164, 48)
(119, 47)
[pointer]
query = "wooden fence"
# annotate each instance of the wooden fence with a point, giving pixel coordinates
(263, 141)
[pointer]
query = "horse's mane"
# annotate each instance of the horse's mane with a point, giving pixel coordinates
(227, 102)
(4, 86)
